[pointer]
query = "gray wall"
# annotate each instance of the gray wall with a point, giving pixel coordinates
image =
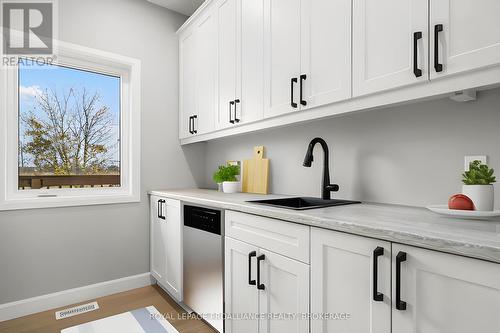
(48, 250)
(411, 155)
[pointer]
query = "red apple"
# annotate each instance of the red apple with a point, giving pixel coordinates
(460, 202)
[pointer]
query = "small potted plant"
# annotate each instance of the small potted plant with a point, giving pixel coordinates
(226, 175)
(478, 186)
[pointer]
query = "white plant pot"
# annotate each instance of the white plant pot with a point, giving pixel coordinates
(230, 187)
(482, 195)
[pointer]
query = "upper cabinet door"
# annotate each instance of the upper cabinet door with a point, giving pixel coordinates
(345, 270)
(326, 52)
(250, 73)
(187, 77)
(285, 289)
(467, 35)
(282, 56)
(227, 18)
(389, 44)
(241, 294)
(444, 293)
(206, 71)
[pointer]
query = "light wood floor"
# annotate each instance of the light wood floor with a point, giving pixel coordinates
(45, 322)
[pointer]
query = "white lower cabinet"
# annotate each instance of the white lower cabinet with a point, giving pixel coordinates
(241, 296)
(284, 293)
(431, 292)
(353, 284)
(166, 244)
(350, 282)
(265, 291)
(442, 293)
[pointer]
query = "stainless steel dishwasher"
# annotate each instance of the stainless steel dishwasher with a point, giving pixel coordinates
(203, 264)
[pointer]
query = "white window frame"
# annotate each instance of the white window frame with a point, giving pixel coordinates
(78, 57)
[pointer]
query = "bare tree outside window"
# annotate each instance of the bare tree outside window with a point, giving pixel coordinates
(68, 128)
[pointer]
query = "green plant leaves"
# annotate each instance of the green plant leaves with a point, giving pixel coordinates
(226, 173)
(478, 174)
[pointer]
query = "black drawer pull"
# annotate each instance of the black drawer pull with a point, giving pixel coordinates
(292, 103)
(194, 125)
(416, 36)
(231, 103)
(400, 305)
(260, 286)
(236, 119)
(160, 209)
(437, 29)
(377, 297)
(250, 255)
(303, 77)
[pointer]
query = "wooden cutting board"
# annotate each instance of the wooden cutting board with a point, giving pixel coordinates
(255, 172)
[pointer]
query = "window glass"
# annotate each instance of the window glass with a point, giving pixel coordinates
(69, 128)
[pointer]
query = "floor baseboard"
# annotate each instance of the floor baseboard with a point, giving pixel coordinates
(71, 296)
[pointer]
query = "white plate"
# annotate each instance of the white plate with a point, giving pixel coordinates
(464, 214)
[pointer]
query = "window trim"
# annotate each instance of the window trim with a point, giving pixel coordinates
(79, 57)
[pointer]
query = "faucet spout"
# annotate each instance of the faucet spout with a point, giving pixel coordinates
(326, 187)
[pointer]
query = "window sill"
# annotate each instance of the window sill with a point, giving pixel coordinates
(68, 201)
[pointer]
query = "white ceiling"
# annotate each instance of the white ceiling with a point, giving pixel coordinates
(186, 7)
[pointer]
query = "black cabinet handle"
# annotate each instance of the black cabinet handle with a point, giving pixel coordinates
(400, 305)
(190, 125)
(292, 81)
(160, 209)
(236, 119)
(377, 297)
(231, 103)
(250, 255)
(260, 286)
(416, 36)
(194, 125)
(437, 29)
(303, 77)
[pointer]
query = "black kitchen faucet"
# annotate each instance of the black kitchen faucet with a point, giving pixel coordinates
(326, 187)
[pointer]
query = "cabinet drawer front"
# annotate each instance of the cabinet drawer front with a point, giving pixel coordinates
(286, 238)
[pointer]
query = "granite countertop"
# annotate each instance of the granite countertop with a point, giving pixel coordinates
(400, 224)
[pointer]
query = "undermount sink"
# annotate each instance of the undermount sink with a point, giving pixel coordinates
(302, 203)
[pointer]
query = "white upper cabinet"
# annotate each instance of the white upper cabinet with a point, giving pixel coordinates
(390, 39)
(250, 61)
(247, 65)
(282, 56)
(307, 54)
(441, 293)
(465, 35)
(350, 274)
(206, 71)
(187, 78)
(326, 52)
(227, 14)
(240, 61)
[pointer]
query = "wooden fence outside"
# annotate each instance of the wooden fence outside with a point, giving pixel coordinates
(38, 182)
